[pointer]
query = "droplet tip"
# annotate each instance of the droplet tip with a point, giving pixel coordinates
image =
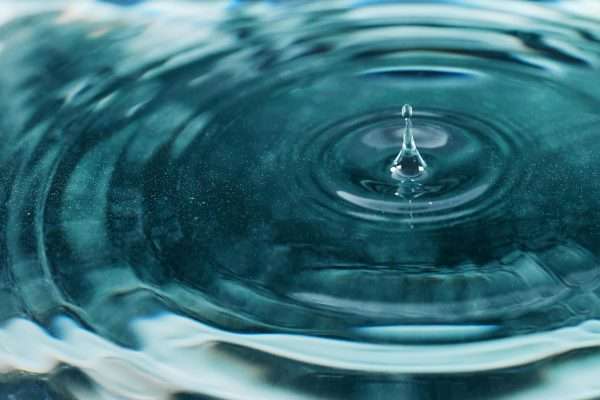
(407, 111)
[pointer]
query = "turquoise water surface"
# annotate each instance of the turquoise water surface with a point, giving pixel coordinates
(197, 200)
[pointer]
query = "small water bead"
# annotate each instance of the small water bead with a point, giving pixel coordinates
(407, 111)
(408, 163)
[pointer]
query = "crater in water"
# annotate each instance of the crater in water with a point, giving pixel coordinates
(184, 174)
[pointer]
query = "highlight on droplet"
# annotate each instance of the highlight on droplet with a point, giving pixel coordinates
(408, 163)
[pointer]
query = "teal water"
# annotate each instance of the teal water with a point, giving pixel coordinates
(197, 200)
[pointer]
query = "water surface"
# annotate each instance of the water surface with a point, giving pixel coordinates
(196, 200)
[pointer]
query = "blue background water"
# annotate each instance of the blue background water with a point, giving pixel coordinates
(196, 198)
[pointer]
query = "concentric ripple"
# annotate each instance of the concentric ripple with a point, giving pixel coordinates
(230, 163)
(468, 160)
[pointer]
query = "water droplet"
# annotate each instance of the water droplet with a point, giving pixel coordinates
(408, 163)
(407, 111)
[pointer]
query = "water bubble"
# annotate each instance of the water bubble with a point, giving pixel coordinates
(408, 163)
